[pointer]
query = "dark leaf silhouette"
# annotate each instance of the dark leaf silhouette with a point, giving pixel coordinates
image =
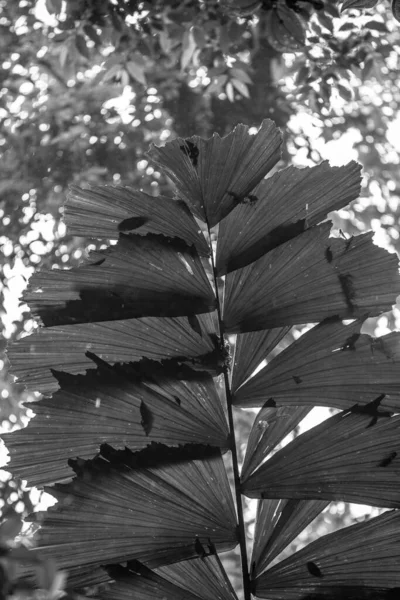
(289, 202)
(150, 505)
(198, 579)
(347, 572)
(139, 277)
(65, 347)
(285, 29)
(226, 169)
(251, 349)
(270, 427)
(331, 365)
(130, 341)
(303, 286)
(105, 211)
(278, 523)
(107, 406)
(336, 469)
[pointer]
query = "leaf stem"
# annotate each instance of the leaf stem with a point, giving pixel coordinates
(235, 463)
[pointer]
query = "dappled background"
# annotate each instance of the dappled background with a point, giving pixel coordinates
(87, 86)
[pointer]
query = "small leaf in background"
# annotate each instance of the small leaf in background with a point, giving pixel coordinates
(235, 31)
(64, 55)
(396, 9)
(116, 21)
(224, 39)
(10, 528)
(325, 91)
(369, 64)
(92, 34)
(165, 41)
(139, 59)
(347, 27)
(112, 72)
(240, 8)
(81, 46)
(345, 92)
(54, 6)
(230, 91)
(376, 26)
(241, 87)
(331, 9)
(45, 573)
(241, 75)
(285, 30)
(199, 36)
(188, 48)
(217, 83)
(23, 555)
(302, 75)
(136, 72)
(325, 20)
(358, 4)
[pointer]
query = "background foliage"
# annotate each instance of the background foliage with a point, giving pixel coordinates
(87, 85)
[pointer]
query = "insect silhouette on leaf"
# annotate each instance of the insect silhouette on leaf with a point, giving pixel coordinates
(191, 150)
(372, 409)
(350, 343)
(313, 569)
(346, 282)
(249, 199)
(387, 461)
(329, 254)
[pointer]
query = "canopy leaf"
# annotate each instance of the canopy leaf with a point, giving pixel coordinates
(396, 9)
(331, 365)
(213, 175)
(284, 28)
(360, 4)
